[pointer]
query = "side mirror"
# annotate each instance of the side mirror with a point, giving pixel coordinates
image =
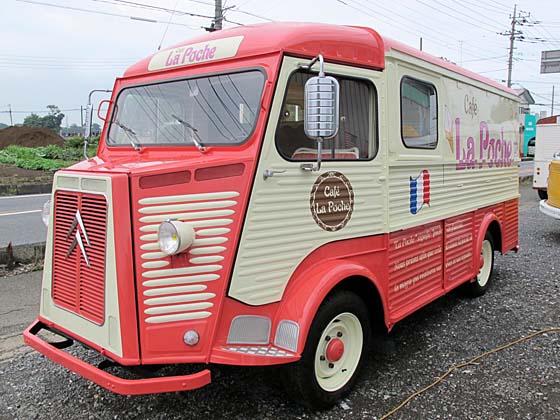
(100, 109)
(88, 122)
(321, 107)
(321, 119)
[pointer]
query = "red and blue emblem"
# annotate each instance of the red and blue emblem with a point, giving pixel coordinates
(419, 191)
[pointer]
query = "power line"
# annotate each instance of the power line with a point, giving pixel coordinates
(459, 18)
(77, 9)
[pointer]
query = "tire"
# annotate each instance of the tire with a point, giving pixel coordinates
(327, 371)
(543, 194)
(480, 284)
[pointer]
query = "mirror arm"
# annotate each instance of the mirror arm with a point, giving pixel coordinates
(321, 61)
(316, 166)
(88, 107)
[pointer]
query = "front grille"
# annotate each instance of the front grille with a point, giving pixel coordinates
(80, 225)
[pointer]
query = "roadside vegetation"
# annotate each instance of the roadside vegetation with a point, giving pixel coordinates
(48, 158)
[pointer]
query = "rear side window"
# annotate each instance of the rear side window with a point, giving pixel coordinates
(418, 114)
(354, 139)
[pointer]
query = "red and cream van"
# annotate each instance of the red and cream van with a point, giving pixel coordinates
(269, 195)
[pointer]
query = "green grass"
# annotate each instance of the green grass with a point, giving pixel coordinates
(47, 158)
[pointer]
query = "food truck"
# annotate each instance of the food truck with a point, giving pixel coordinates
(270, 195)
(547, 143)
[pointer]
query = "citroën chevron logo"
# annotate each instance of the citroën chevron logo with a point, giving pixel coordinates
(79, 223)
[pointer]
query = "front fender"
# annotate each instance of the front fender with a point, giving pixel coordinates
(306, 292)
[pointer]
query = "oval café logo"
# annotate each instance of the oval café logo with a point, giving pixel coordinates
(332, 201)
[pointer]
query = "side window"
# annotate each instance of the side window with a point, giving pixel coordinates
(353, 141)
(418, 114)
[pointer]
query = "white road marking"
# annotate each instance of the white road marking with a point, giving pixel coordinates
(24, 196)
(20, 212)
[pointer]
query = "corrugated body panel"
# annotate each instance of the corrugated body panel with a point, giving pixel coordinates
(459, 248)
(279, 230)
(77, 285)
(177, 294)
(400, 174)
(511, 224)
(415, 266)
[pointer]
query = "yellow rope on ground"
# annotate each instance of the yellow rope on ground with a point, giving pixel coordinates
(462, 365)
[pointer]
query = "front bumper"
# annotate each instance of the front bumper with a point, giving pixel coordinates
(105, 379)
(549, 210)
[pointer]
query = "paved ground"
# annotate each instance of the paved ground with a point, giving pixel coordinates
(20, 219)
(522, 382)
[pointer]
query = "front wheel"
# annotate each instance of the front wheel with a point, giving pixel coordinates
(480, 284)
(334, 352)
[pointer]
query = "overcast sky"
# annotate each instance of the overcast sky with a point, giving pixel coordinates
(56, 55)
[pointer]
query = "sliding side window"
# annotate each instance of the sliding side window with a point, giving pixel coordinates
(418, 114)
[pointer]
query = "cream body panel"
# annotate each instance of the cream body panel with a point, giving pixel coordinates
(107, 335)
(452, 190)
(279, 230)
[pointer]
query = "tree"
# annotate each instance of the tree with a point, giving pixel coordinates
(52, 120)
(33, 120)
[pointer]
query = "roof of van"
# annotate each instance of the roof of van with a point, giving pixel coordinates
(360, 46)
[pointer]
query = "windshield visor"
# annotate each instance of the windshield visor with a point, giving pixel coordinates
(215, 110)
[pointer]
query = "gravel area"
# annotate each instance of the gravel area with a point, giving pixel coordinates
(522, 382)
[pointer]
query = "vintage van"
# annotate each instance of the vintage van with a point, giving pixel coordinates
(269, 195)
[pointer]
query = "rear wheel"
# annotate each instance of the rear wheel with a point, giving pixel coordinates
(334, 352)
(543, 194)
(480, 284)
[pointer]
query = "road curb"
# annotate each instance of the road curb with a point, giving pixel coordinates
(27, 253)
(25, 189)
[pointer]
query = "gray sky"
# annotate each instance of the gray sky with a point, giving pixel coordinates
(56, 55)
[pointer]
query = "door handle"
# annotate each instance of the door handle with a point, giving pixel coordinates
(270, 172)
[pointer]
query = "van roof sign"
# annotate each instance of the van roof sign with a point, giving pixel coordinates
(201, 52)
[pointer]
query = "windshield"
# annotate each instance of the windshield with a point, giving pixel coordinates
(213, 110)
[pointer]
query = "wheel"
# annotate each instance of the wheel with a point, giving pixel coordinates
(543, 194)
(334, 353)
(480, 284)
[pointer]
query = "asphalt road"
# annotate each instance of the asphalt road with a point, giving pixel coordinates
(20, 219)
(522, 382)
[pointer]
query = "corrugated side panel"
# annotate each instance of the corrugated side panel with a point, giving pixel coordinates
(75, 285)
(279, 230)
(459, 248)
(511, 224)
(415, 260)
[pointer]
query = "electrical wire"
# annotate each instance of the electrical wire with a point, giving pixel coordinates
(464, 364)
(99, 12)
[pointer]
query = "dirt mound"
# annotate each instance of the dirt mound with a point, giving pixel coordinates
(28, 137)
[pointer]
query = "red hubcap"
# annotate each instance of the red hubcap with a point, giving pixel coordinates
(335, 350)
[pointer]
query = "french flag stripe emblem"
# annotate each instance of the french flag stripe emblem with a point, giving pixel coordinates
(419, 191)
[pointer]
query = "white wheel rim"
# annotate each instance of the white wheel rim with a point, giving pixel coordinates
(484, 273)
(331, 376)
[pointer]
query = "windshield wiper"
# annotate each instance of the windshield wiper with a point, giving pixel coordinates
(195, 138)
(130, 133)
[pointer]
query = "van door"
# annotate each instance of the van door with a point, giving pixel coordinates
(293, 212)
(415, 251)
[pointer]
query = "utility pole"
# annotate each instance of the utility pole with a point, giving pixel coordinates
(514, 34)
(552, 107)
(10, 111)
(218, 15)
(420, 43)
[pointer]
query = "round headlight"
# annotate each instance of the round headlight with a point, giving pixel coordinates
(46, 212)
(174, 236)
